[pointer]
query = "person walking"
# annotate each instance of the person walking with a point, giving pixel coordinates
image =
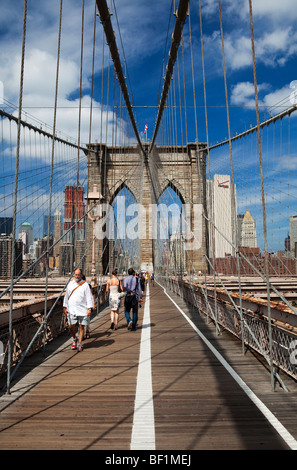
(78, 304)
(133, 291)
(114, 288)
(87, 333)
(152, 279)
(142, 282)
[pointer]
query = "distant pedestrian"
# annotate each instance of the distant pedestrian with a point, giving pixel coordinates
(114, 288)
(78, 304)
(133, 296)
(142, 282)
(152, 279)
(87, 332)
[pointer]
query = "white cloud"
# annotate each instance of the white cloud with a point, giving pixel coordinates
(274, 31)
(243, 93)
(39, 78)
(274, 9)
(276, 101)
(276, 47)
(271, 48)
(238, 52)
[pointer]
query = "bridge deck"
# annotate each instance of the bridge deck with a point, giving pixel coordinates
(86, 400)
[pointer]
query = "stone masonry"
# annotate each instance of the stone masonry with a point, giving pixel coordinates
(181, 168)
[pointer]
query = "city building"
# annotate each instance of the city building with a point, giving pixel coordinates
(221, 210)
(6, 225)
(45, 225)
(6, 257)
(23, 237)
(287, 243)
(74, 209)
(293, 233)
(27, 228)
(72, 246)
(177, 252)
(246, 230)
(57, 236)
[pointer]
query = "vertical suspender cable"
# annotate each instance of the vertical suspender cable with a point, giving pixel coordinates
(262, 194)
(52, 167)
(110, 37)
(228, 118)
(181, 15)
(16, 194)
(210, 233)
(193, 77)
(233, 215)
(92, 87)
(77, 193)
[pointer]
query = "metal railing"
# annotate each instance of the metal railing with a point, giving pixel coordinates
(251, 329)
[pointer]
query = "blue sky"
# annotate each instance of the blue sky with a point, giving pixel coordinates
(143, 28)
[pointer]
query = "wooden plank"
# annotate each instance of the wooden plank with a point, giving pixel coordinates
(197, 403)
(85, 400)
(79, 400)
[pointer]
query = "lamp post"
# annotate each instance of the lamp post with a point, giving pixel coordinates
(94, 214)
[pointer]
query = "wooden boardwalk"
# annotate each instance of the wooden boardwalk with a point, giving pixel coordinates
(87, 400)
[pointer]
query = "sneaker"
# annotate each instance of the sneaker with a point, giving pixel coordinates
(74, 344)
(112, 326)
(130, 325)
(79, 347)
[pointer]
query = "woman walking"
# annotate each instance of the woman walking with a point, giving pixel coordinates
(114, 287)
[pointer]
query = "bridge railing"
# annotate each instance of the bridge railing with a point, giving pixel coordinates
(31, 331)
(250, 328)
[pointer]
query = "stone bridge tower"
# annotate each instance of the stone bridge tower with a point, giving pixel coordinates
(181, 168)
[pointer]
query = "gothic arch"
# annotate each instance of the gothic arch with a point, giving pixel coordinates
(118, 188)
(176, 187)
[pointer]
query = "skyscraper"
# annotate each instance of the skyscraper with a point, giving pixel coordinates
(293, 232)
(222, 209)
(6, 225)
(28, 229)
(6, 257)
(45, 225)
(73, 229)
(74, 209)
(247, 234)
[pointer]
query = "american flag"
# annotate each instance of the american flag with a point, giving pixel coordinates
(145, 129)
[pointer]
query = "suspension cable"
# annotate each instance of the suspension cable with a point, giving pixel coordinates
(16, 192)
(181, 15)
(110, 37)
(52, 163)
(262, 194)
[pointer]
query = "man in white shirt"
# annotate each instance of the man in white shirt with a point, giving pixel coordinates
(78, 304)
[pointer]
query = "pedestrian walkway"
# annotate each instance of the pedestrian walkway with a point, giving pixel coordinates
(157, 388)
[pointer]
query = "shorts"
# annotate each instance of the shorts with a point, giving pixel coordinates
(81, 320)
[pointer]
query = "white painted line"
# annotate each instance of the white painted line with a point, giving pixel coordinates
(143, 431)
(283, 432)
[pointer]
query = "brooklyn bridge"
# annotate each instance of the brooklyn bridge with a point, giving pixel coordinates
(178, 160)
